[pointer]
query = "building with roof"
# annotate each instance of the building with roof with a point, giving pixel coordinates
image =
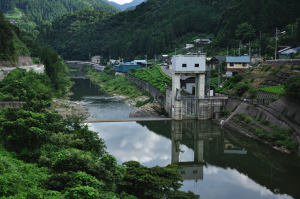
(202, 41)
(96, 59)
(237, 64)
(214, 61)
(288, 52)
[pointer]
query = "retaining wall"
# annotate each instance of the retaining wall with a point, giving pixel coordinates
(165, 99)
(14, 104)
(23, 60)
(266, 96)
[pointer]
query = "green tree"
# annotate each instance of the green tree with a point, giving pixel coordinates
(155, 182)
(292, 87)
(245, 32)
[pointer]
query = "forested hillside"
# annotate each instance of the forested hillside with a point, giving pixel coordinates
(158, 26)
(14, 42)
(35, 12)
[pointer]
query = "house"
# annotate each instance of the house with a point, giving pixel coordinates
(125, 68)
(96, 59)
(189, 46)
(237, 64)
(142, 63)
(214, 61)
(202, 41)
(288, 52)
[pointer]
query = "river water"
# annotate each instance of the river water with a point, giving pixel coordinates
(216, 162)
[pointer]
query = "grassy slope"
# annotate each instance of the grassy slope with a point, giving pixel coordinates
(257, 75)
(154, 76)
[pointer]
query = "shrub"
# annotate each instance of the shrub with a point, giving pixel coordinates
(247, 107)
(241, 88)
(292, 87)
(248, 119)
(234, 108)
(259, 115)
(225, 113)
(265, 122)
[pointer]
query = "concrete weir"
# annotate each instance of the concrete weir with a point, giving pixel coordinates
(128, 120)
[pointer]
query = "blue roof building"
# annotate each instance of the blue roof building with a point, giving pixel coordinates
(241, 59)
(237, 65)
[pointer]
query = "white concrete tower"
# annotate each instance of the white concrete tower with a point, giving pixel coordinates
(182, 64)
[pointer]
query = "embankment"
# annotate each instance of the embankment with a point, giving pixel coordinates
(262, 122)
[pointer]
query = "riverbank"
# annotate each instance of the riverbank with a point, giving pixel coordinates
(67, 108)
(119, 87)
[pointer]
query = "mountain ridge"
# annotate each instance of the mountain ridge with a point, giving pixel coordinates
(124, 6)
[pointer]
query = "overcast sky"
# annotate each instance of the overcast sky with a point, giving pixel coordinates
(121, 1)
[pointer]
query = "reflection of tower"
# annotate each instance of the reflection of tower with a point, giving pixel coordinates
(176, 138)
(190, 170)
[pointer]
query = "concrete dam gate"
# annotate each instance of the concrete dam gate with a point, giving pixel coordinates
(202, 105)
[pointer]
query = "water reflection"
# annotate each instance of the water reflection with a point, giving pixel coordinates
(216, 163)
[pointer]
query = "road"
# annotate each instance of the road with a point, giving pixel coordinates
(166, 71)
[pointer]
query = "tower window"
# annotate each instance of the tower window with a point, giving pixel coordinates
(183, 65)
(196, 65)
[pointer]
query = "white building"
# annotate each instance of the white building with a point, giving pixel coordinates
(189, 63)
(189, 46)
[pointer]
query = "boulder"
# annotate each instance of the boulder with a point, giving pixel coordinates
(148, 110)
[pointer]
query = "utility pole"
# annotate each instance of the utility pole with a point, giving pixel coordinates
(249, 48)
(219, 75)
(260, 45)
(146, 57)
(240, 48)
(276, 44)
(292, 29)
(175, 51)
(227, 51)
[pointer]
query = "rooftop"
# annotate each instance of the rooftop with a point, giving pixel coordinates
(241, 59)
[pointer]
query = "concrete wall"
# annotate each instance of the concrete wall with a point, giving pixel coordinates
(14, 104)
(22, 61)
(36, 68)
(164, 99)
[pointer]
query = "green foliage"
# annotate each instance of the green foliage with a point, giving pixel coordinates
(154, 76)
(22, 85)
(292, 87)
(234, 108)
(241, 88)
(245, 32)
(115, 84)
(35, 12)
(141, 103)
(231, 83)
(225, 113)
(155, 182)
(242, 116)
(248, 120)
(273, 89)
(259, 115)
(265, 122)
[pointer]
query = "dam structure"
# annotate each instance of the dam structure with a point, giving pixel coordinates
(203, 104)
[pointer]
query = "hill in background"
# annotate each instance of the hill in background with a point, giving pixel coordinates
(159, 26)
(34, 12)
(126, 6)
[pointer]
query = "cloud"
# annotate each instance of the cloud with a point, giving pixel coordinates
(121, 2)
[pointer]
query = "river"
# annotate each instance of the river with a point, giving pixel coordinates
(216, 162)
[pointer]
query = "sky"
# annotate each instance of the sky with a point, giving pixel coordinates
(121, 1)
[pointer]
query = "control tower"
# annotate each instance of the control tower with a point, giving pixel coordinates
(187, 64)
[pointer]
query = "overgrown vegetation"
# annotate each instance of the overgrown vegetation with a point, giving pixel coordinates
(43, 155)
(278, 137)
(114, 83)
(33, 12)
(273, 89)
(154, 76)
(292, 87)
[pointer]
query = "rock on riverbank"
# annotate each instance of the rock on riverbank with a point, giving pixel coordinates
(68, 108)
(148, 110)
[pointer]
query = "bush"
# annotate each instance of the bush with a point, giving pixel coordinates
(225, 113)
(241, 88)
(265, 122)
(234, 108)
(292, 87)
(259, 115)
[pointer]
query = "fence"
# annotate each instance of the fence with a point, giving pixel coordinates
(283, 61)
